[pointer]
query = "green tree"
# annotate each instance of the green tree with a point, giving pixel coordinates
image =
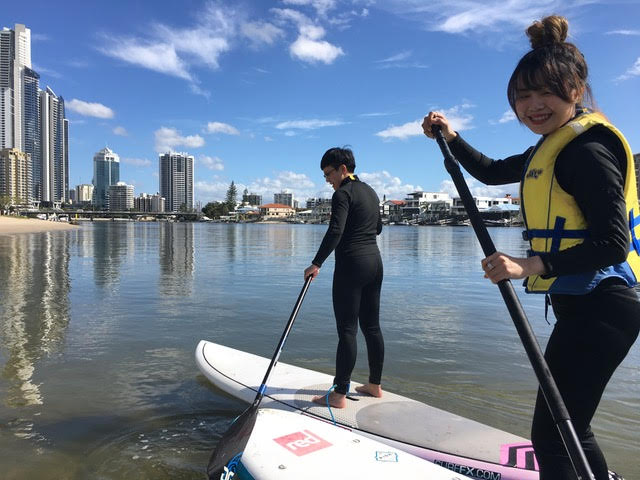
(5, 202)
(215, 209)
(232, 193)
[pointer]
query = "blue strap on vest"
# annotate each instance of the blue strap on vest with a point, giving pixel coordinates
(556, 234)
(633, 222)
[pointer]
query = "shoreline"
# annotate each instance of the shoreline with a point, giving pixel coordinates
(16, 225)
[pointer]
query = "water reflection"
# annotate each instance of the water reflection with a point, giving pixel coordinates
(111, 241)
(34, 312)
(176, 257)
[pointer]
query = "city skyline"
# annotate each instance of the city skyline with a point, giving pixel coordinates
(257, 91)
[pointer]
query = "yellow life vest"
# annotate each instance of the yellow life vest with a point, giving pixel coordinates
(552, 217)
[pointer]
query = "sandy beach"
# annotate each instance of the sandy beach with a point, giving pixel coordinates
(14, 225)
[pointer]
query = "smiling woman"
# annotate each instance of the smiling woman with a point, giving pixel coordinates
(578, 198)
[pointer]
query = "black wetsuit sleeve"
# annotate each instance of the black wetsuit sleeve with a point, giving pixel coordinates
(485, 169)
(592, 169)
(339, 212)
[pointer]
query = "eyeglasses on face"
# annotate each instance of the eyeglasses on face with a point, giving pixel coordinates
(326, 174)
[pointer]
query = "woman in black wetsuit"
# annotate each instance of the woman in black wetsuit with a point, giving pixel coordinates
(357, 278)
(580, 206)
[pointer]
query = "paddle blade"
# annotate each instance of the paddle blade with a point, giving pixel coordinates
(226, 457)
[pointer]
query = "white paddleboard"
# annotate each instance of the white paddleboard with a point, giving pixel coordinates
(454, 442)
(287, 446)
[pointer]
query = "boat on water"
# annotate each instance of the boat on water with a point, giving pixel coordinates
(454, 442)
(287, 446)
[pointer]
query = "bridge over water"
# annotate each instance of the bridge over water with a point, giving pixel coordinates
(91, 215)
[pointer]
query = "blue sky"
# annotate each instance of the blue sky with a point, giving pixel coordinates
(258, 90)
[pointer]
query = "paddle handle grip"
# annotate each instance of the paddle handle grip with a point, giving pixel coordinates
(548, 385)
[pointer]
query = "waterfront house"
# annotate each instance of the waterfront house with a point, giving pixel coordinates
(276, 210)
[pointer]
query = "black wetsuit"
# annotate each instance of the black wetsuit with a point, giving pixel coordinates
(595, 331)
(357, 278)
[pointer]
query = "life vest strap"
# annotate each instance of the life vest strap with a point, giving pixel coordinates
(557, 233)
(633, 223)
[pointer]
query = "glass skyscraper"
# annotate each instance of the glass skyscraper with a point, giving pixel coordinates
(106, 172)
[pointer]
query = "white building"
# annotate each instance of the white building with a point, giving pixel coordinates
(120, 197)
(84, 193)
(15, 56)
(483, 203)
(176, 181)
(149, 203)
(55, 150)
(423, 202)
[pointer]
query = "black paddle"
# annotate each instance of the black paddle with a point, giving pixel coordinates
(548, 386)
(226, 456)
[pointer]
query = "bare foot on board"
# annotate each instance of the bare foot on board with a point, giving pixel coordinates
(370, 389)
(336, 400)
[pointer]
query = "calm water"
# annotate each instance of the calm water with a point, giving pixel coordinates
(98, 329)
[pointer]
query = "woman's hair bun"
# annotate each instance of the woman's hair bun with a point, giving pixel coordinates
(549, 30)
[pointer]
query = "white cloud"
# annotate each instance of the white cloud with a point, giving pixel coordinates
(624, 32)
(633, 71)
(409, 129)
(507, 116)
(311, 124)
(261, 33)
(213, 191)
(388, 185)
(479, 16)
(89, 109)
(321, 6)
(121, 131)
(167, 139)
(219, 127)
(40, 37)
(479, 189)
(309, 46)
(212, 163)
(137, 162)
(159, 57)
(175, 51)
(297, 183)
(458, 119)
(398, 57)
(312, 51)
(377, 114)
(46, 71)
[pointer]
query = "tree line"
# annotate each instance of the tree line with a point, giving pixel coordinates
(218, 209)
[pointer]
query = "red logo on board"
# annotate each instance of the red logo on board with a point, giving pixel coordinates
(302, 442)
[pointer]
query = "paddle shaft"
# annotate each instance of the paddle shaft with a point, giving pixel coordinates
(283, 339)
(226, 456)
(548, 385)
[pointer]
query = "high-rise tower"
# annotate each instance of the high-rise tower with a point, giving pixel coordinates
(176, 181)
(31, 120)
(55, 161)
(106, 172)
(15, 56)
